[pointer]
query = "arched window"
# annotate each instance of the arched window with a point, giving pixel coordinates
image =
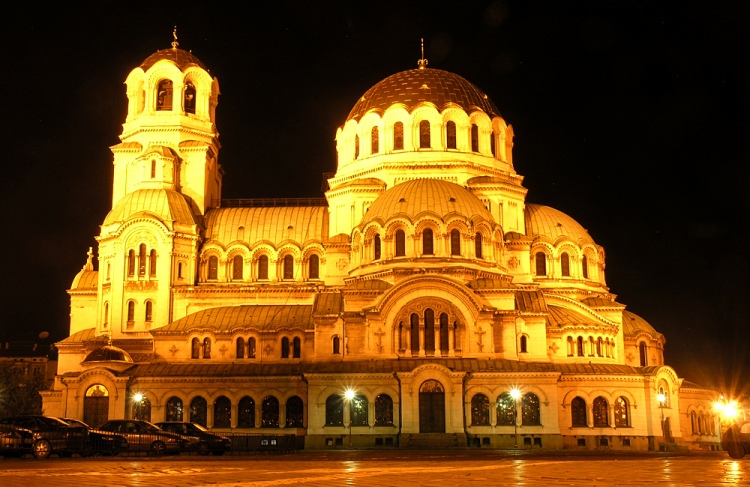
(571, 347)
(270, 412)
(313, 267)
(478, 246)
(444, 332)
(601, 412)
(541, 263)
(599, 346)
(578, 412)
(237, 264)
(164, 95)
(335, 410)
(152, 263)
(450, 134)
(263, 267)
(153, 169)
(336, 345)
(523, 346)
(131, 311)
(585, 267)
(206, 348)
(398, 136)
(622, 418)
(376, 247)
(213, 268)
(288, 266)
(414, 333)
(400, 243)
(565, 264)
(492, 143)
(643, 354)
(106, 314)
(295, 412)
(383, 410)
(195, 347)
(506, 410)
(142, 260)
(246, 413)
(579, 346)
(358, 410)
(356, 146)
(374, 141)
(198, 411)
(296, 347)
(480, 410)
(474, 138)
(530, 410)
(179, 270)
(455, 242)
(424, 134)
(222, 412)
(591, 346)
(429, 330)
(251, 347)
(240, 348)
(427, 242)
(131, 262)
(174, 410)
(285, 347)
(149, 311)
(189, 99)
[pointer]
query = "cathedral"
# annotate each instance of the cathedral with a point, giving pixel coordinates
(423, 302)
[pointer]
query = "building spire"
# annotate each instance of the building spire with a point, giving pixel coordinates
(422, 62)
(89, 265)
(174, 42)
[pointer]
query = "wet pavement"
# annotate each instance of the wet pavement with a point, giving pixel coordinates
(385, 468)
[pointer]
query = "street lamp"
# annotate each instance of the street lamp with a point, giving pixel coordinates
(728, 411)
(662, 399)
(137, 405)
(515, 393)
(349, 395)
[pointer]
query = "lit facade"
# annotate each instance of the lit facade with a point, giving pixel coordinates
(424, 282)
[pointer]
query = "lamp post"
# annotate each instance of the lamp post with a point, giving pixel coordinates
(515, 393)
(727, 411)
(662, 399)
(137, 405)
(349, 395)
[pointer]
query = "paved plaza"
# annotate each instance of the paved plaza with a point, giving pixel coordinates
(384, 468)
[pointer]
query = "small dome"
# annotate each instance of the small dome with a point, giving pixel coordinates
(417, 196)
(182, 59)
(108, 353)
(165, 204)
(549, 222)
(85, 280)
(633, 325)
(414, 86)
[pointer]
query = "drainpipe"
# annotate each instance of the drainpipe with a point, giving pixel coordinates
(400, 408)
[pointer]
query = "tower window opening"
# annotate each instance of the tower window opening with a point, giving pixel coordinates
(427, 242)
(474, 138)
(288, 267)
(455, 242)
(131, 262)
(164, 95)
(492, 143)
(398, 136)
(142, 260)
(565, 264)
(206, 348)
(400, 243)
(237, 264)
(152, 263)
(478, 245)
(263, 267)
(585, 267)
(424, 134)
(376, 247)
(356, 146)
(541, 264)
(374, 141)
(189, 100)
(450, 135)
(313, 269)
(213, 268)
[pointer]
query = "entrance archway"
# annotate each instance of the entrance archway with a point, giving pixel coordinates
(431, 407)
(96, 405)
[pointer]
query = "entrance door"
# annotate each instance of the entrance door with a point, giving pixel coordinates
(96, 405)
(431, 407)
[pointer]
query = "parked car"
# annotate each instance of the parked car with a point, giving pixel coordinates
(200, 439)
(736, 439)
(143, 436)
(101, 442)
(15, 441)
(51, 435)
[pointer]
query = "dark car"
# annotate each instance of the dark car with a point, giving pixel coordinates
(51, 435)
(143, 436)
(200, 439)
(736, 439)
(15, 441)
(101, 442)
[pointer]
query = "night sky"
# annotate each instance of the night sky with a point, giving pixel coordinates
(630, 116)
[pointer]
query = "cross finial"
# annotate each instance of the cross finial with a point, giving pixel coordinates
(422, 62)
(174, 42)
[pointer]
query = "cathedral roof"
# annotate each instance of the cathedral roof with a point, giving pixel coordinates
(418, 196)
(165, 204)
(228, 318)
(274, 224)
(633, 325)
(108, 353)
(85, 280)
(180, 58)
(549, 222)
(441, 88)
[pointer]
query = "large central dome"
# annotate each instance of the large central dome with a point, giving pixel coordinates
(414, 86)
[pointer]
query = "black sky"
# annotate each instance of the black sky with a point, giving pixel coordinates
(630, 116)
